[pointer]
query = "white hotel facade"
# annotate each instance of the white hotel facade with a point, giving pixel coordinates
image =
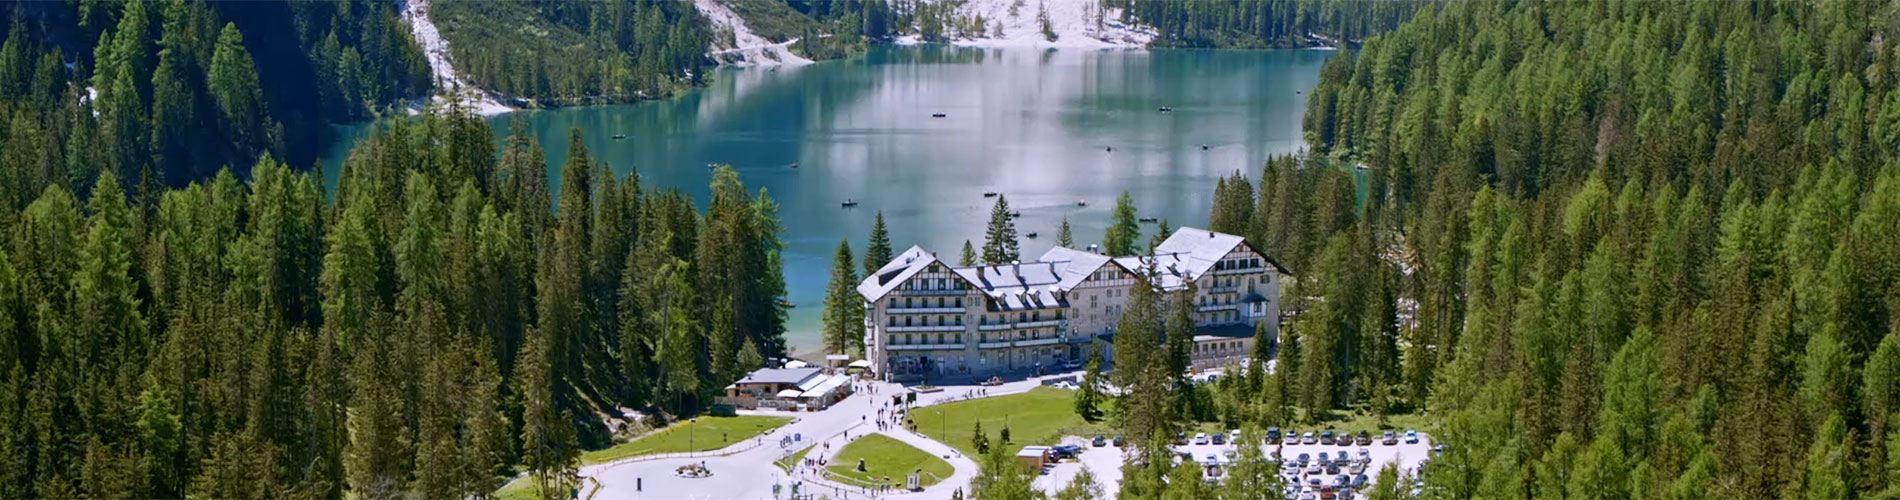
(924, 318)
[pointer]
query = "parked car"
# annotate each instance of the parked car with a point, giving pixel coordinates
(1314, 470)
(993, 381)
(1292, 436)
(1069, 450)
(1438, 450)
(1301, 460)
(1098, 441)
(1365, 438)
(1389, 439)
(1359, 481)
(1313, 482)
(1365, 455)
(1341, 481)
(1326, 437)
(1273, 434)
(1118, 441)
(1309, 438)
(1220, 439)
(1200, 438)
(1332, 468)
(1180, 438)
(1411, 436)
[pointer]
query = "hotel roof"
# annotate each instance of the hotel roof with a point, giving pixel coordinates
(887, 278)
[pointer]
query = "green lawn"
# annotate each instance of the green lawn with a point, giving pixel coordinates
(1040, 416)
(700, 434)
(787, 462)
(887, 457)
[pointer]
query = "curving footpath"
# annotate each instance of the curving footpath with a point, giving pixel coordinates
(746, 470)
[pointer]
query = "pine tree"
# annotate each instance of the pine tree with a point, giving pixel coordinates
(548, 447)
(999, 243)
(1063, 238)
(878, 251)
(1123, 229)
(232, 80)
(969, 255)
(1088, 398)
(843, 308)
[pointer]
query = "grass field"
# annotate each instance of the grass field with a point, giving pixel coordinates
(1040, 416)
(700, 434)
(787, 462)
(887, 457)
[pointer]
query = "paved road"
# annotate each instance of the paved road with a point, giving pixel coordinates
(749, 473)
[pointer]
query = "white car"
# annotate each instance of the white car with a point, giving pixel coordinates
(1200, 438)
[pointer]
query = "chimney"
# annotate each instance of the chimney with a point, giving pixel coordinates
(1052, 268)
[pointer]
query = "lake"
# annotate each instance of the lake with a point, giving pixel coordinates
(1034, 125)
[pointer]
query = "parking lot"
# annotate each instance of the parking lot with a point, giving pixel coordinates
(1105, 462)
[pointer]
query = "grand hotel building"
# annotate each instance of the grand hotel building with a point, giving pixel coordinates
(926, 319)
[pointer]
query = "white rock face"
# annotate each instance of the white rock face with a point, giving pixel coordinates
(437, 50)
(748, 49)
(1076, 23)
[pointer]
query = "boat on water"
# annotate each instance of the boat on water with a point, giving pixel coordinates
(1148, 219)
(619, 136)
(938, 115)
(1111, 149)
(1203, 147)
(1015, 213)
(794, 164)
(1031, 235)
(1360, 166)
(989, 194)
(1166, 109)
(1081, 203)
(848, 203)
(786, 303)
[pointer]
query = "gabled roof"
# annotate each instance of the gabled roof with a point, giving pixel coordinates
(1191, 252)
(1074, 266)
(1028, 285)
(887, 278)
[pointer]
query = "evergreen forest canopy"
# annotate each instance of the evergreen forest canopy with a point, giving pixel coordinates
(1259, 24)
(428, 333)
(166, 93)
(1635, 249)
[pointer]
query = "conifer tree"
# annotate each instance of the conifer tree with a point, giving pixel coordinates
(1063, 238)
(999, 242)
(843, 308)
(878, 251)
(1123, 228)
(968, 257)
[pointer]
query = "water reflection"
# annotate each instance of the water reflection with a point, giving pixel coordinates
(1033, 124)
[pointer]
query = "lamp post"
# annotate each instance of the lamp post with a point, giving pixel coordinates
(689, 434)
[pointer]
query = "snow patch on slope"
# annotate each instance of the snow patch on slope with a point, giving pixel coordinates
(747, 49)
(1076, 24)
(437, 50)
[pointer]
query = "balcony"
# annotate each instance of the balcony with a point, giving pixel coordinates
(1039, 324)
(924, 310)
(1243, 270)
(1223, 289)
(993, 345)
(923, 347)
(1037, 342)
(1216, 307)
(923, 292)
(926, 329)
(993, 327)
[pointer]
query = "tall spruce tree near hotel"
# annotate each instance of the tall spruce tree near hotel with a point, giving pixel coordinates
(877, 252)
(968, 258)
(843, 316)
(1063, 237)
(999, 243)
(1124, 228)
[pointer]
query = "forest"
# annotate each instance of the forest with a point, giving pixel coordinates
(429, 330)
(1634, 249)
(166, 93)
(576, 52)
(1262, 24)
